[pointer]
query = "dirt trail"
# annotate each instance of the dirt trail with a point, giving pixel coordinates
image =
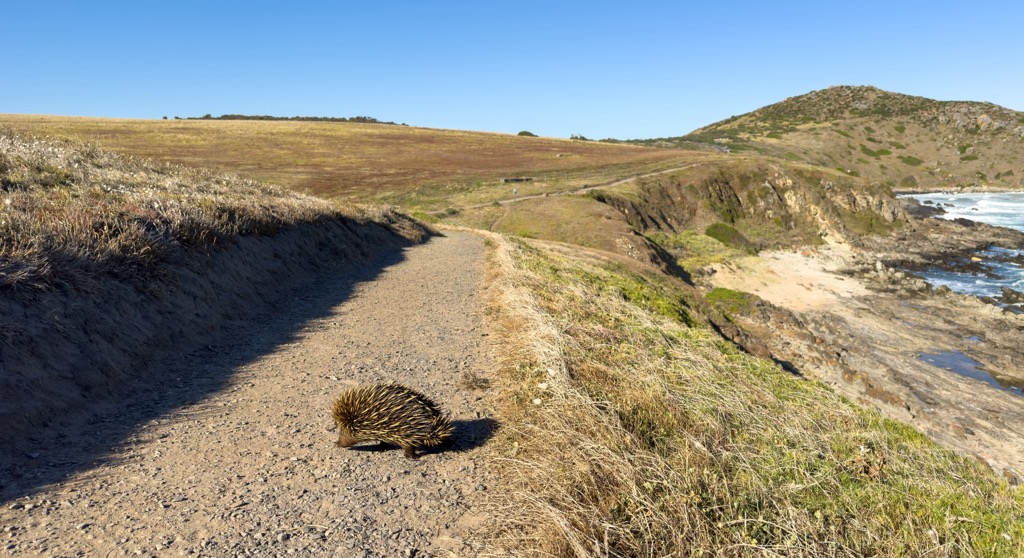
(249, 468)
(583, 190)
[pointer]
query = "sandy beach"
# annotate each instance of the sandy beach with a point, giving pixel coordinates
(799, 281)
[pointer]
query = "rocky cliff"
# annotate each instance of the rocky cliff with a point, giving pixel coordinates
(771, 205)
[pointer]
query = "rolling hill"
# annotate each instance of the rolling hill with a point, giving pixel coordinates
(902, 141)
(416, 168)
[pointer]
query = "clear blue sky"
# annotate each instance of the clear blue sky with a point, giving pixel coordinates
(600, 69)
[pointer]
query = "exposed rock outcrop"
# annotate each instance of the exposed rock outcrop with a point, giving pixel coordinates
(775, 204)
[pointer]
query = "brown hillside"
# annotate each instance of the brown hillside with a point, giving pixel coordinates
(903, 141)
(409, 166)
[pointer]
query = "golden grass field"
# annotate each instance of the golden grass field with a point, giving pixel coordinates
(418, 168)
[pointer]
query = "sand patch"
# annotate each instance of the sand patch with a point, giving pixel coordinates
(800, 281)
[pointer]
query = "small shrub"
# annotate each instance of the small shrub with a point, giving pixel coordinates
(963, 148)
(911, 160)
(729, 236)
(730, 301)
(900, 128)
(969, 158)
(527, 134)
(874, 153)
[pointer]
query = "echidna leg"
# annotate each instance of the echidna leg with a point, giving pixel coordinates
(410, 452)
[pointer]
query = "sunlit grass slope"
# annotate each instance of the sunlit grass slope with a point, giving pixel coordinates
(632, 430)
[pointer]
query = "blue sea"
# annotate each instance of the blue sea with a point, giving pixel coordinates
(1004, 209)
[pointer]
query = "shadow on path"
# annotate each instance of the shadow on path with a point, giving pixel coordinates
(178, 377)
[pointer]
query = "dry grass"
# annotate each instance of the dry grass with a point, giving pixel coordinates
(630, 433)
(419, 168)
(578, 220)
(72, 214)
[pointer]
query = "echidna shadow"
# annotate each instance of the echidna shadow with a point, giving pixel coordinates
(467, 435)
(393, 414)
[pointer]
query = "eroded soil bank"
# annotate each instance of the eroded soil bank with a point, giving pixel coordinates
(857, 320)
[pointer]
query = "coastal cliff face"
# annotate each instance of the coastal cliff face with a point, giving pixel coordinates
(869, 343)
(770, 205)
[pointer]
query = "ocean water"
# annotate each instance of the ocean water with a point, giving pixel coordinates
(1004, 209)
(1005, 267)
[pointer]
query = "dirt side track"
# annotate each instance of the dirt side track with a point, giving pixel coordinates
(243, 462)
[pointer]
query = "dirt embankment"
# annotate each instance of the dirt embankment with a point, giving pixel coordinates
(226, 449)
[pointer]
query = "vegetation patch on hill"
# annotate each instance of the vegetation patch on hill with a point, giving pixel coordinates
(631, 432)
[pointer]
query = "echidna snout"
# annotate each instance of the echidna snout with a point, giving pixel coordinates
(390, 413)
(346, 439)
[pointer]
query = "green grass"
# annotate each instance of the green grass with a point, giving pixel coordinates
(731, 237)
(694, 250)
(910, 160)
(876, 153)
(730, 301)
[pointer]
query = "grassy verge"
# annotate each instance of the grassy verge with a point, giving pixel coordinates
(629, 432)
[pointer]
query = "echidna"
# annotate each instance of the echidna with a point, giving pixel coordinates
(390, 413)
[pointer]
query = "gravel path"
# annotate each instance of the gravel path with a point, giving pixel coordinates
(246, 466)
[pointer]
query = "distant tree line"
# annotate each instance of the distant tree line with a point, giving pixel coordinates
(357, 119)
